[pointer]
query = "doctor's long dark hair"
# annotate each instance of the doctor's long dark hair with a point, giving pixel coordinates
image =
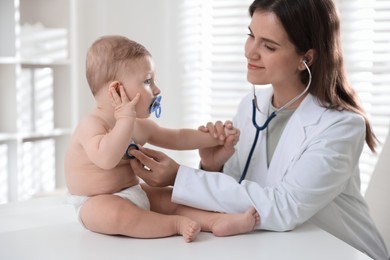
(315, 24)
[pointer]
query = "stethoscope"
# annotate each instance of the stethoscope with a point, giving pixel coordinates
(268, 120)
(154, 107)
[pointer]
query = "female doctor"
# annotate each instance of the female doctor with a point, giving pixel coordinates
(300, 165)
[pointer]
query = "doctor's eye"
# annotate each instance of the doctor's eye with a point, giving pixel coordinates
(250, 33)
(268, 47)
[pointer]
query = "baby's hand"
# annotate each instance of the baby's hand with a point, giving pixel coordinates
(222, 132)
(230, 130)
(122, 104)
(213, 158)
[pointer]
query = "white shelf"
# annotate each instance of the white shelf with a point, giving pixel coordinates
(44, 62)
(36, 75)
(34, 136)
(37, 62)
(8, 60)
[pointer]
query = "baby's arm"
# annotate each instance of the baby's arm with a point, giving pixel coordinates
(188, 139)
(109, 146)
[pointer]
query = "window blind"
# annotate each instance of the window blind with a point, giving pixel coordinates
(212, 36)
(365, 30)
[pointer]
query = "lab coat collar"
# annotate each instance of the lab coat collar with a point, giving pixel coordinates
(290, 143)
(308, 111)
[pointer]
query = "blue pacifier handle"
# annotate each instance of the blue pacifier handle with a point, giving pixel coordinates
(156, 106)
(127, 155)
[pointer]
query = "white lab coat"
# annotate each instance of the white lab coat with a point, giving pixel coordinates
(313, 175)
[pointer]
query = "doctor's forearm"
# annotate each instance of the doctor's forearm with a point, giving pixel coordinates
(210, 168)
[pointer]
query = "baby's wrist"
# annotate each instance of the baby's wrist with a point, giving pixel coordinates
(131, 115)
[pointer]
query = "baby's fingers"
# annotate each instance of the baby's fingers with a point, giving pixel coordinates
(123, 96)
(220, 130)
(228, 124)
(231, 131)
(135, 100)
(115, 98)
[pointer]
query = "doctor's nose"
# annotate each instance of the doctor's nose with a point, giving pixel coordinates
(251, 50)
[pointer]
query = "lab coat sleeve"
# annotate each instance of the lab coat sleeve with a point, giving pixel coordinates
(214, 191)
(318, 175)
(211, 191)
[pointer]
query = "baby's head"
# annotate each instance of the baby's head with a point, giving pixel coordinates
(107, 58)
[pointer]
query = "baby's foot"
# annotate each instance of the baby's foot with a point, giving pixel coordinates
(189, 230)
(234, 224)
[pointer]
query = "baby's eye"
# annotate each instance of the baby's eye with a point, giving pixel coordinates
(148, 82)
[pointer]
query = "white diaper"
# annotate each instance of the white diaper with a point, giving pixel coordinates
(134, 194)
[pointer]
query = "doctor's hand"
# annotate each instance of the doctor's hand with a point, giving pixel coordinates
(154, 167)
(213, 158)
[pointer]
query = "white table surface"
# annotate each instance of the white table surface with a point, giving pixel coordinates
(46, 228)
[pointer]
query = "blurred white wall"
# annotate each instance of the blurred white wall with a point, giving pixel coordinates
(148, 22)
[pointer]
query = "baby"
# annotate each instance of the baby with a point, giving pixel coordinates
(106, 193)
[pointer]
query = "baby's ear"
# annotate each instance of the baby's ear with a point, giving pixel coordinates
(115, 84)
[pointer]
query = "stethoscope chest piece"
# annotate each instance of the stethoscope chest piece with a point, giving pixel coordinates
(127, 155)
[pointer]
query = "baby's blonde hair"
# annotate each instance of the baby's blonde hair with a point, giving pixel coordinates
(107, 56)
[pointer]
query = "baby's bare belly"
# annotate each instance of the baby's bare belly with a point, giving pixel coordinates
(92, 182)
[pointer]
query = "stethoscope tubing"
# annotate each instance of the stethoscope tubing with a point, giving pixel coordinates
(258, 130)
(266, 123)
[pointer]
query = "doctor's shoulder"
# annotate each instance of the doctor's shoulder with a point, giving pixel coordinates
(343, 120)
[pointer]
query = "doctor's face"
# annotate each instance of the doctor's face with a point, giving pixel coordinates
(272, 58)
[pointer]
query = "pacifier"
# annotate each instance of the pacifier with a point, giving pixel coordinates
(127, 155)
(156, 106)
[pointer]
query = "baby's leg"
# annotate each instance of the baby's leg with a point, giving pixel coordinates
(110, 214)
(160, 199)
(221, 224)
(233, 224)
